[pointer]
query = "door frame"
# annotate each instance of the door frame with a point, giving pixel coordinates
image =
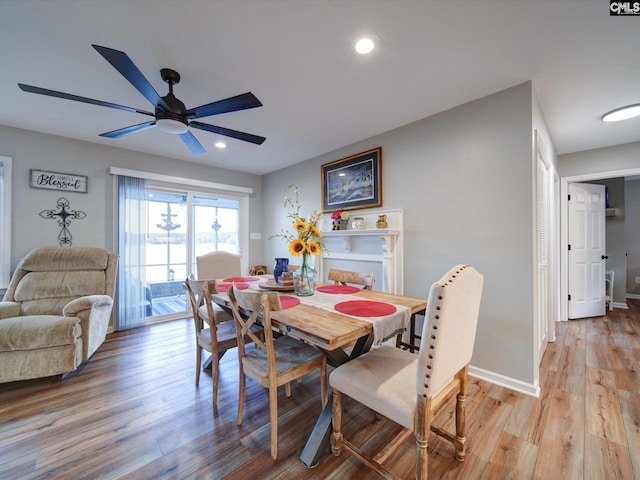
(545, 310)
(564, 226)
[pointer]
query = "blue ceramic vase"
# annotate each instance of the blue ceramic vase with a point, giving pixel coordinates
(281, 266)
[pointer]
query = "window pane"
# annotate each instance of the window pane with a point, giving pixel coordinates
(215, 223)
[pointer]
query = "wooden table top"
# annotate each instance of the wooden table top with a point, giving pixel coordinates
(326, 329)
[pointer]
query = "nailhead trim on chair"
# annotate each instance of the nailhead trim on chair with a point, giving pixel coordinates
(432, 336)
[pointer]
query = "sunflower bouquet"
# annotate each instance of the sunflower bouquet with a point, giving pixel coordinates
(303, 240)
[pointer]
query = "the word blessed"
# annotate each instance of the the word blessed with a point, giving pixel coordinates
(58, 181)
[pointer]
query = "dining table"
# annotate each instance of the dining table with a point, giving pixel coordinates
(343, 321)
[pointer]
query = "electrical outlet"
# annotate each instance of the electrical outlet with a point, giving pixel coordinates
(637, 279)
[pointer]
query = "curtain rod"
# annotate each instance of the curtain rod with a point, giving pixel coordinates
(179, 180)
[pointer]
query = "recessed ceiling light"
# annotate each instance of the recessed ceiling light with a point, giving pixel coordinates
(365, 45)
(623, 113)
(221, 145)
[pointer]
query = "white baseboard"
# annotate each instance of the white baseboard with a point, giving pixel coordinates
(621, 305)
(507, 382)
(633, 295)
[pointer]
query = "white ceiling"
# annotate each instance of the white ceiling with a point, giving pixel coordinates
(296, 57)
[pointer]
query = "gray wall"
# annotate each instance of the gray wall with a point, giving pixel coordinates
(47, 152)
(464, 180)
(615, 235)
(632, 209)
(608, 159)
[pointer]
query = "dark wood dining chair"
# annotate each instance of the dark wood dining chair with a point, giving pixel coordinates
(273, 362)
(346, 277)
(410, 389)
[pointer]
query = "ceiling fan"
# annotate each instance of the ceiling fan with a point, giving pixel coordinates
(170, 114)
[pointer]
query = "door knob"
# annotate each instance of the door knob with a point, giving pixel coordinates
(605, 257)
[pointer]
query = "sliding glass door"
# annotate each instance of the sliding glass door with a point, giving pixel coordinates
(178, 226)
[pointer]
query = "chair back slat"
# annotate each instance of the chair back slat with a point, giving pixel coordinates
(197, 293)
(195, 301)
(258, 306)
(344, 277)
(449, 330)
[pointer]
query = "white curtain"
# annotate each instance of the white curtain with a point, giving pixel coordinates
(134, 301)
(5, 221)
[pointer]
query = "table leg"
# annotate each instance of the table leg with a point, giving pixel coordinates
(207, 363)
(318, 442)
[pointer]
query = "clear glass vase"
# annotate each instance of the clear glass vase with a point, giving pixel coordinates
(304, 279)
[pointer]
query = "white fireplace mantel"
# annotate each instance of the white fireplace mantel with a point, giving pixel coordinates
(367, 250)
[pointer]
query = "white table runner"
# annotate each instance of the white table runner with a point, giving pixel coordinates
(384, 327)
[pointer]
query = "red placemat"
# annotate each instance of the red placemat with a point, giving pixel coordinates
(337, 289)
(365, 308)
(223, 287)
(287, 301)
(241, 279)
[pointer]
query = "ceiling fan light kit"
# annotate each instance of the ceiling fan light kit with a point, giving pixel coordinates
(170, 114)
(169, 125)
(623, 113)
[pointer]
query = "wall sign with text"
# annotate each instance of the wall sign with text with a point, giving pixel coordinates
(58, 181)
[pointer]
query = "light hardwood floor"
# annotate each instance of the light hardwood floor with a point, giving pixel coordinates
(133, 412)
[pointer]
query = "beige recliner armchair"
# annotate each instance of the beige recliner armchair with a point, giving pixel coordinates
(56, 311)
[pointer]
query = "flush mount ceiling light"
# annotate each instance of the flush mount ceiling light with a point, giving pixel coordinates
(170, 125)
(365, 45)
(623, 113)
(221, 145)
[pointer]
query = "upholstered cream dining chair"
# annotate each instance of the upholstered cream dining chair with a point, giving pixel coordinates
(273, 362)
(409, 389)
(218, 265)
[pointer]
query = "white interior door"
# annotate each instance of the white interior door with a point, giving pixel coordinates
(586, 250)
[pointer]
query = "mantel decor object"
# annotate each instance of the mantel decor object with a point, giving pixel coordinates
(339, 219)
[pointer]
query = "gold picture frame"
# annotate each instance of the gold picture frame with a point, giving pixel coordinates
(353, 182)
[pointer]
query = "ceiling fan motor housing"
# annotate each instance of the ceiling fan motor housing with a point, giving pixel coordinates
(176, 107)
(176, 112)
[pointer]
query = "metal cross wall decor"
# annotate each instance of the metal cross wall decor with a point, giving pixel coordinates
(64, 216)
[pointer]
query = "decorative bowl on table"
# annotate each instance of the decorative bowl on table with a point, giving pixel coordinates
(284, 285)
